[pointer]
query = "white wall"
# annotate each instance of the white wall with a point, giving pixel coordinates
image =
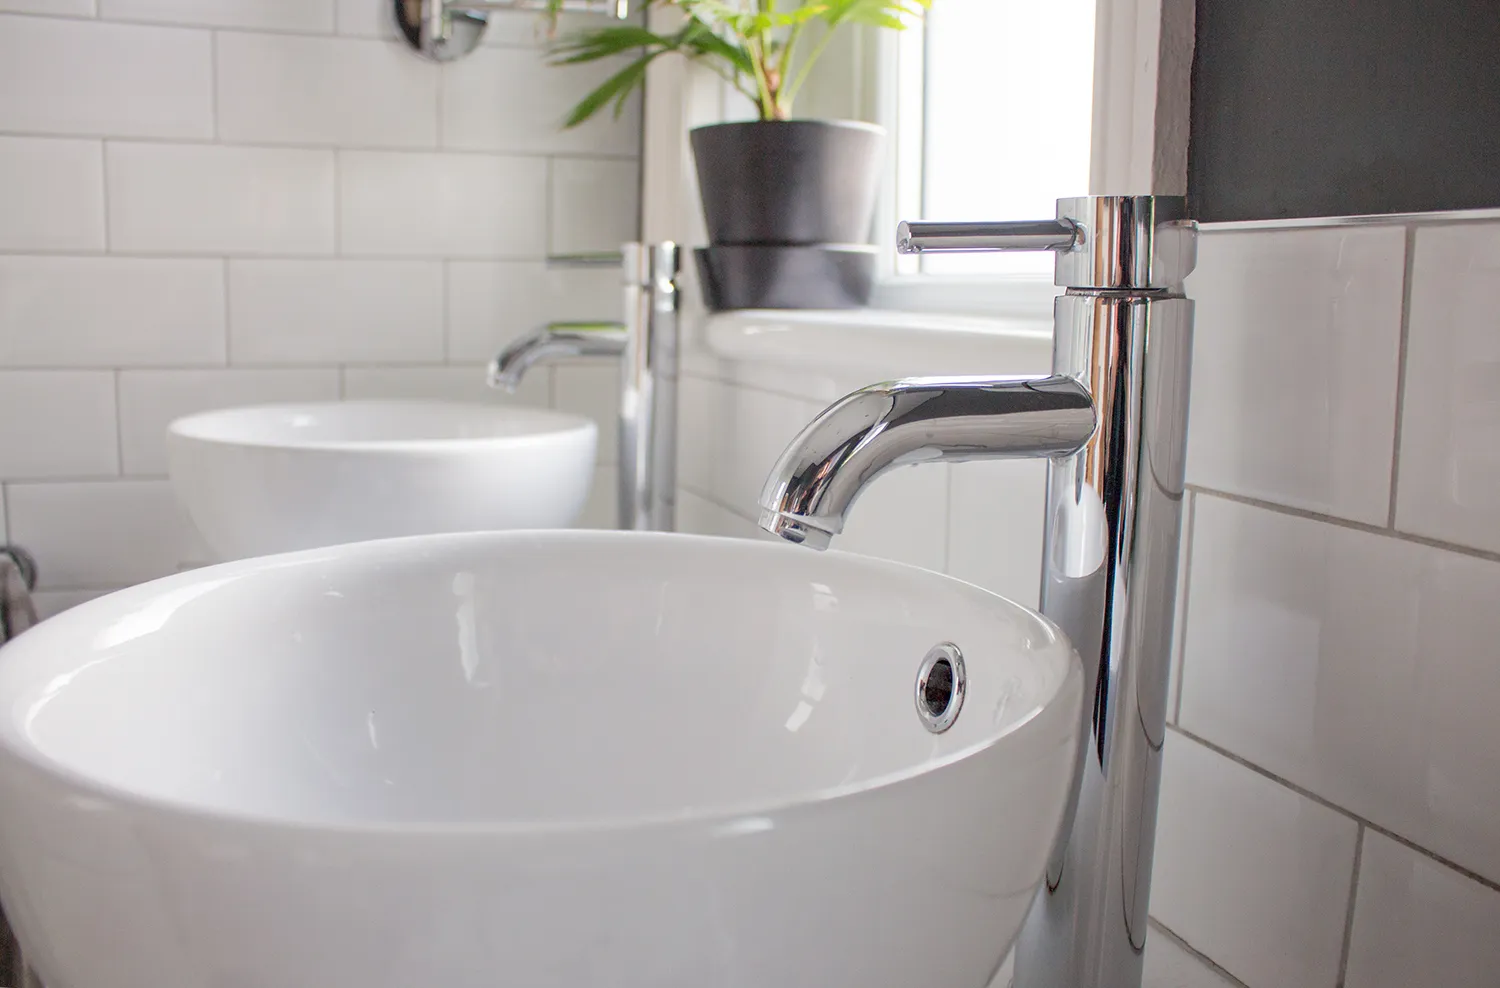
(1331, 812)
(1331, 805)
(211, 202)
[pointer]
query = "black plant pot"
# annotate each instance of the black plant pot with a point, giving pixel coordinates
(790, 182)
(762, 276)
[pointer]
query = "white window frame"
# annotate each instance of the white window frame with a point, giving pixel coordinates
(1142, 79)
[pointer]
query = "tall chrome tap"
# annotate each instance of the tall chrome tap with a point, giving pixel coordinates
(1111, 419)
(647, 344)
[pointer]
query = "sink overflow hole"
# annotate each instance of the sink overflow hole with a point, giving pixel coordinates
(941, 685)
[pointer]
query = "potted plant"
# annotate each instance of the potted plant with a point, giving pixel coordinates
(789, 203)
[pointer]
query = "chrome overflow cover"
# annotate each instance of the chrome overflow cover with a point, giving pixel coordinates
(941, 685)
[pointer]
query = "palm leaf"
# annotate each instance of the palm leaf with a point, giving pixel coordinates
(617, 87)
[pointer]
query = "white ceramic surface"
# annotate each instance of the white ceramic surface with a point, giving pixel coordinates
(1249, 872)
(1417, 922)
(1356, 665)
(1450, 424)
(275, 478)
(553, 759)
(1295, 363)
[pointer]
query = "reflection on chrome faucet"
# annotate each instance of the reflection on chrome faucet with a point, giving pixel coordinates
(1112, 421)
(556, 341)
(646, 343)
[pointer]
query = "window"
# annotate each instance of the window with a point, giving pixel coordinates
(992, 104)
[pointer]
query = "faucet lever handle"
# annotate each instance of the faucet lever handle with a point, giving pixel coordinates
(1032, 235)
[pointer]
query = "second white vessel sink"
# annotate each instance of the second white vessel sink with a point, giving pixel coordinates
(549, 760)
(275, 478)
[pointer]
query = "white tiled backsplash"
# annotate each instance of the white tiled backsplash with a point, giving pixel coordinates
(216, 202)
(1331, 804)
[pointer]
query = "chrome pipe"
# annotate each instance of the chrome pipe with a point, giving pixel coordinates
(929, 238)
(648, 392)
(1122, 350)
(647, 345)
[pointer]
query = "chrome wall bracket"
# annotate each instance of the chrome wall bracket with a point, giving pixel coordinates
(445, 30)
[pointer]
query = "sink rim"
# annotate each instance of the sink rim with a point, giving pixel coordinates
(721, 818)
(553, 426)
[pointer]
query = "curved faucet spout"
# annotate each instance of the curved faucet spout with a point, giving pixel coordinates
(555, 340)
(917, 420)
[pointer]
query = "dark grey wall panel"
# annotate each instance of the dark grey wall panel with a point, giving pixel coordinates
(1338, 107)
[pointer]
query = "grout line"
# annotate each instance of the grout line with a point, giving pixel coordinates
(447, 315)
(1196, 954)
(228, 331)
(288, 255)
(715, 500)
(1356, 526)
(1179, 644)
(271, 145)
(338, 202)
(1401, 348)
(90, 478)
(1359, 850)
(476, 365)
(119, 426)
(104, 182)
(162, 255)
(213, 81)
(727, 382)
(1311, 796)
(548, 209)
(439, 132)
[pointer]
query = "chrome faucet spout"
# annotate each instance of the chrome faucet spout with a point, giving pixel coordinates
(1112, 422)
(917, 420)
(554, 341)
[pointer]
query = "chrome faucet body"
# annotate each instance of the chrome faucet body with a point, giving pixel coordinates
(1111, 419)
(647, 345)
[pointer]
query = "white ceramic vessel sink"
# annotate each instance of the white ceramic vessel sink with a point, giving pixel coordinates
(540, 759)
(277, 478)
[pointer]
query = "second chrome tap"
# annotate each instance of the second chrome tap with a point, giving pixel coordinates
(647, 344)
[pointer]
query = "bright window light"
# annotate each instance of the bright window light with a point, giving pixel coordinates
(1005, 89)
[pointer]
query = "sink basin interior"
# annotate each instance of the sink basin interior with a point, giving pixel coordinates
(374, 423)
(518, 680)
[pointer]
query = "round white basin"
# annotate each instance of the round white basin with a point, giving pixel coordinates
(276, 478)
(542, 759)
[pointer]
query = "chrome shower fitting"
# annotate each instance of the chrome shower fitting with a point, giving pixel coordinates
(1111, 419)
(444, 30)
(647, 345)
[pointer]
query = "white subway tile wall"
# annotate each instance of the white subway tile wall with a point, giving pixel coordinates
(51, 194)
(1294, 367)
(1339, 624)
(1337, 656)
(1251, 873)
(1450, 430)
(285, 89)
(222, 202)
(217, 199)
(1418, 922)
(66, 76)
(416, 204)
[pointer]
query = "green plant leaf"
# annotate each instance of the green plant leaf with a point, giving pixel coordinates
(604, 42)
(617, 87)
